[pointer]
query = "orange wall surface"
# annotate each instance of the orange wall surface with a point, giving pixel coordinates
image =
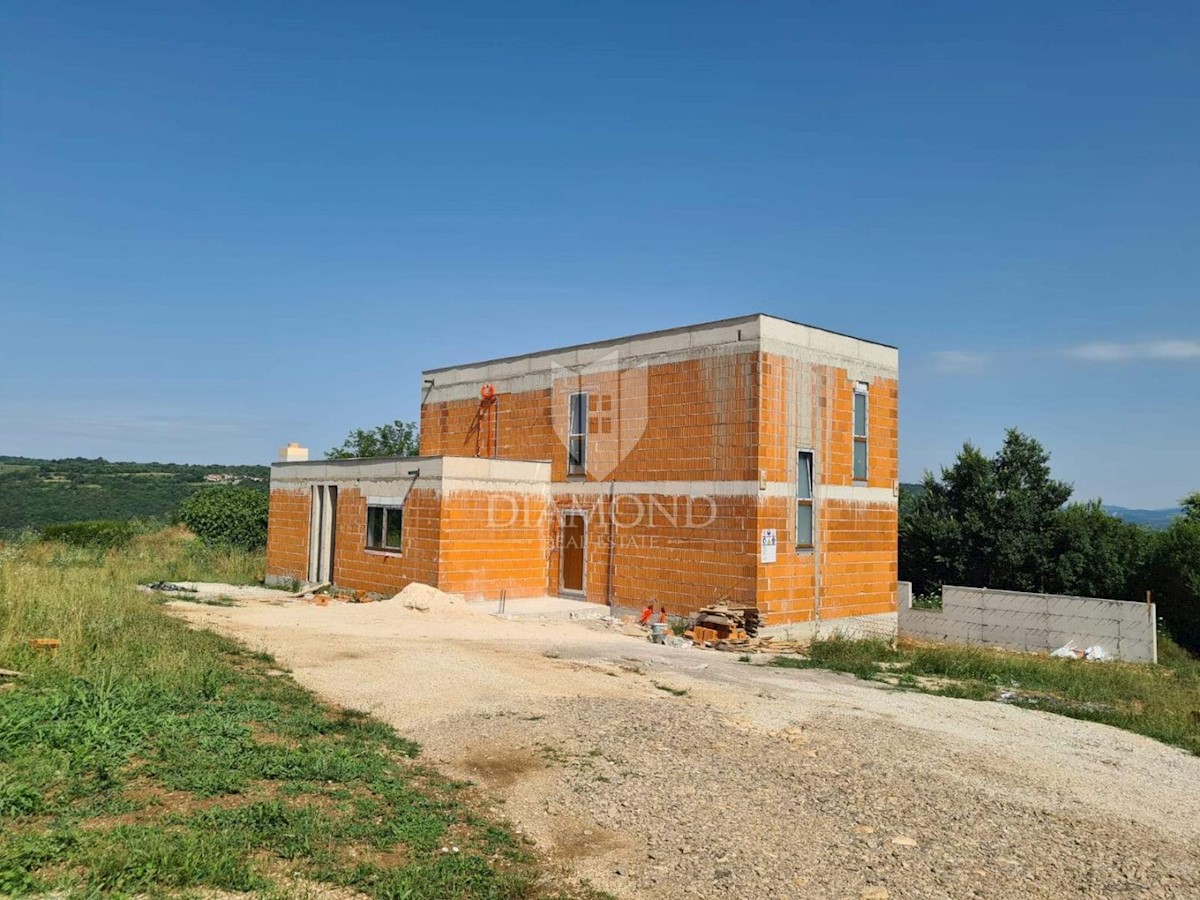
(493, 541)
(287, 534)
(677, 551)
(689, 420)
(474, 543)
(714, 418)
(383, 572)
(854, 561)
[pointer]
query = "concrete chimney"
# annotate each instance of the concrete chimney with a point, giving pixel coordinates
(293, 453)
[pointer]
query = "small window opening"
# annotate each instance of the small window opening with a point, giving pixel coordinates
(577, 434)
(860, 431)
(804, 500)
(385, 527)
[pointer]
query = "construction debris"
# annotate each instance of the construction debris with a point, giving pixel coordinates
(171, 587)
(1070, 651)
(723, 624)
(47, 645)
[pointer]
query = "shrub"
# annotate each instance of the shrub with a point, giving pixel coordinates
(227, 516)
(102, 533)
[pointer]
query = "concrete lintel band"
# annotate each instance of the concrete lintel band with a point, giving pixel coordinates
(385, 489)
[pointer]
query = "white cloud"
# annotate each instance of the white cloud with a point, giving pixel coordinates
(961, 362)
(1130, 351)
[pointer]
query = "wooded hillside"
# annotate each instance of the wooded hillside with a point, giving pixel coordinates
(37, 492)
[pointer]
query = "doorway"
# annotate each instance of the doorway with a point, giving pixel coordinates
(322, 533)
(573, 542)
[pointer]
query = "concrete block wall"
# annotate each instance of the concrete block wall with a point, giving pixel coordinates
(1021, 621)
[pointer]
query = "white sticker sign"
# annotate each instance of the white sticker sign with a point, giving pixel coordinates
(768, 545)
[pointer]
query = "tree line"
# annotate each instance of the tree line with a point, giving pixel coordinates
(1004, 522)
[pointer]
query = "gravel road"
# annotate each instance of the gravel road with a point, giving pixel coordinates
(656, 772)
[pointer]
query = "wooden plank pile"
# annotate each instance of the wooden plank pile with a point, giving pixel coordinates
(721, 624)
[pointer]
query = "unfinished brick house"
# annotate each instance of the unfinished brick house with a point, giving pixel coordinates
(751, 458)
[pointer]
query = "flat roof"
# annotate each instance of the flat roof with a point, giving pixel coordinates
(663, 332)
(352, 460)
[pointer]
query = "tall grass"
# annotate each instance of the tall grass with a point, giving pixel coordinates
(87, 598)
(147, 758)
(1162, 702)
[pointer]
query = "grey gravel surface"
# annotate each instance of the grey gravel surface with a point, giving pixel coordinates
(655, 772)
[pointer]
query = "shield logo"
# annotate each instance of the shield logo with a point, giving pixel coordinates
(598, 412)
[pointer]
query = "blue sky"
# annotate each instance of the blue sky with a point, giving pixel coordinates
(230, 225)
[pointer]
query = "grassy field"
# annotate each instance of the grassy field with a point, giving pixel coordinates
(1161, 702)
(149, 759)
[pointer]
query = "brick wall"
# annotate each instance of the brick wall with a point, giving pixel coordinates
(470, 542)
(378, 572)
(525, 428)
(692, 420)
(859, 558)
(287, 534)
(688, 420)
(682, 562)
(493, 541)
(712, 423)
(678, 551)
(854, 562)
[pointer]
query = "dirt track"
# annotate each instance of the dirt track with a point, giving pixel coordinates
(756, 782)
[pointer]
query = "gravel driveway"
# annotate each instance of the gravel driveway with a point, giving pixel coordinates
(656, 772)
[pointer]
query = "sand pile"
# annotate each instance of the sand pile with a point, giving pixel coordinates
(424, 598)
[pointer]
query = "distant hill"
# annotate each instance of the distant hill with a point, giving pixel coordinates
(37, 492)
(1152, 518)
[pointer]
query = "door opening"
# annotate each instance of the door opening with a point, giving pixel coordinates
(322, 533)
(573, 542)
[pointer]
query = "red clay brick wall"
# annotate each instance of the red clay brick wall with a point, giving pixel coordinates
(856, 540)
(659, 554)
(858, 563)
(718, 418)
(493, 541)
(700, 417)
(287, 534)
(373, 571)
(474, 543)
(525, 428)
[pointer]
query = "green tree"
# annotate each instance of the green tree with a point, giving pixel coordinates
(397, 439)
(1191, 507)
(227, 516)
(1174, 575)
(985, 522)
(1098, 555)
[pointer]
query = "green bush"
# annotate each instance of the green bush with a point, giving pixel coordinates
(227, 516)
(103, 533)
